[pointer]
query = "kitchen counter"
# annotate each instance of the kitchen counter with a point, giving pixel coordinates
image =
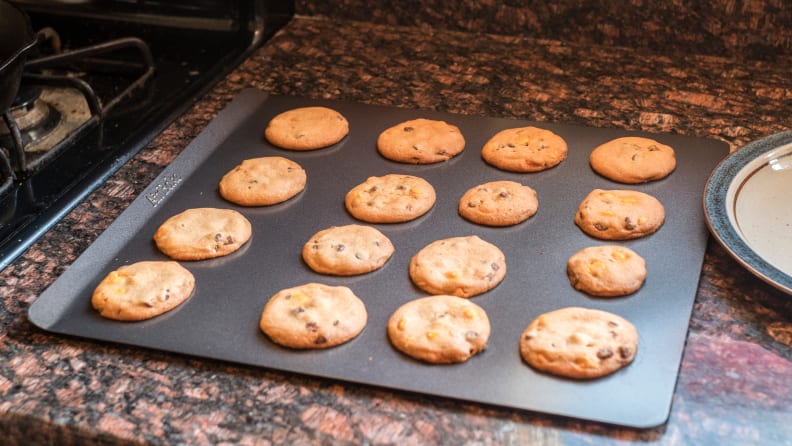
(733, 387)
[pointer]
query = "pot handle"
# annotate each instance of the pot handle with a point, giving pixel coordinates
(21, 52)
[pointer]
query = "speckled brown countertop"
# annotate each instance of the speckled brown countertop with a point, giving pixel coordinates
(733, 386)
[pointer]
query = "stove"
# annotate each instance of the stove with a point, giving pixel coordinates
(104, 78)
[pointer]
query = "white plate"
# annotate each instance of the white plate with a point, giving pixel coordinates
(748, 208)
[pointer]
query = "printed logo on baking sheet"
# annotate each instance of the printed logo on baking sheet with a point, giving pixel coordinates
(163, 189)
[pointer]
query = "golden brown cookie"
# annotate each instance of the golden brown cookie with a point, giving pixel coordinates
(262, 181)
(439, 329)
(392, 198)
(307, 128)
(606, 271)
(347, 250)
(202, 233)
(421, 141)
(619, 214)
(498, 203)
(460, 266)
(524, 149)
(142, 290)
(633, 160)
(579, 343)
(313, 316)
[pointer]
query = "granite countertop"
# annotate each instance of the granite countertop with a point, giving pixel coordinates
(733, 387)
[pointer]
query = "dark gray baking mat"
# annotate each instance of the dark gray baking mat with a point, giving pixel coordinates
(220, 321)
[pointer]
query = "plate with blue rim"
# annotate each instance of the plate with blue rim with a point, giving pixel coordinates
(748, 208)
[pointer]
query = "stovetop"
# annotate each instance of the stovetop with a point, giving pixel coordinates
(192, 46)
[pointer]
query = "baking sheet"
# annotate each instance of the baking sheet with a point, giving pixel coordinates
(220, 321)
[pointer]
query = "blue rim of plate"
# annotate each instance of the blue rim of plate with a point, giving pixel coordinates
(717, 216)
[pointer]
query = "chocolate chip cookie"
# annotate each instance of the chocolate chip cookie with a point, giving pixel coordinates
(421, 141)
(142, 290)
(606, 271)
(525, 149)
(619, 214)
(439, 329)
(347, 250)
(263, 181)
(313, 316)
(498, 203)
(307, 128)
(202, 233)
(459, 266)
(392, 198)
(633, 160)
(579, 343)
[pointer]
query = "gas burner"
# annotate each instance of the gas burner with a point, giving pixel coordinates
(66, 110)
(57, 103)
(35, 117)
(42, 123)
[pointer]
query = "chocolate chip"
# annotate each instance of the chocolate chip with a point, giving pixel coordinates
(340, 247)
(628, 224)
(625, 352)
(494, 266)
(604, 353)
(297, 311)
(408, 129)
(504, 195)
(600, 226)
(320, 340)
(312, 326)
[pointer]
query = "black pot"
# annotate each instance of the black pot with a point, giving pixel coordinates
(16, 39)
